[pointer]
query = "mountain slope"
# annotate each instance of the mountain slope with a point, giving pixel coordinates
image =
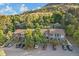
(50, 7)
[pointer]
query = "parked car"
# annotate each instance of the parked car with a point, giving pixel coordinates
(69, 47)
(22, 46)
(18, 45)
(6, 45)
(44, 47)
(53, 47)
(36, 46)
(64, 47)
(10, 45)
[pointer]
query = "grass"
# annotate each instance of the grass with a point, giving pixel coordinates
(2, 53)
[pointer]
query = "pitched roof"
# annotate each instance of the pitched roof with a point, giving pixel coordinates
(54, 31)
(59, 31)
(19, 31)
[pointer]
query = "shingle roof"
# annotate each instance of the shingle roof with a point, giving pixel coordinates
(59, 31)
(19, 31)
(54, 31)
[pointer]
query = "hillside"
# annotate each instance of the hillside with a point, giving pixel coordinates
(65, 16)
(50, 7)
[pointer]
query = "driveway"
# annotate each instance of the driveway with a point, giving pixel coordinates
(39, 52)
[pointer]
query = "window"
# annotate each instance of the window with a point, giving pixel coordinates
(51, 34)
(57, 35)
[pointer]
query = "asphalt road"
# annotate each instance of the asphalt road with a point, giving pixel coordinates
(39, 52)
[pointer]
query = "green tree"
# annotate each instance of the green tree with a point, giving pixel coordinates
(37, 36)
(9, 35)
(2, 40)
(29, 42)
(76, 36)
(57, 16)
(70, 29)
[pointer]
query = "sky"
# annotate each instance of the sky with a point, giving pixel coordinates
(17, 8)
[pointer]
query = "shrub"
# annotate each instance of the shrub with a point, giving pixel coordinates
(2, 53)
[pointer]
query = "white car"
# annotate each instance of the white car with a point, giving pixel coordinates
(36, 46)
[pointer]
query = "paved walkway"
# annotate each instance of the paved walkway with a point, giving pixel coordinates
(39, 52)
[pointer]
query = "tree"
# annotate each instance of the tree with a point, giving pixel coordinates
(2, 40)
(37, 25)
(70, 29)
(5, 23)
(14, 20)
(57, 16)
(29, 42)
(76, 36)
(9, 35)
(71, 10)
(37, 36)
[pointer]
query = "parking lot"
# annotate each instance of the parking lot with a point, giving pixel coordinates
(12, 51)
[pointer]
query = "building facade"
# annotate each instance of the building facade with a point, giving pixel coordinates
(58, 34)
